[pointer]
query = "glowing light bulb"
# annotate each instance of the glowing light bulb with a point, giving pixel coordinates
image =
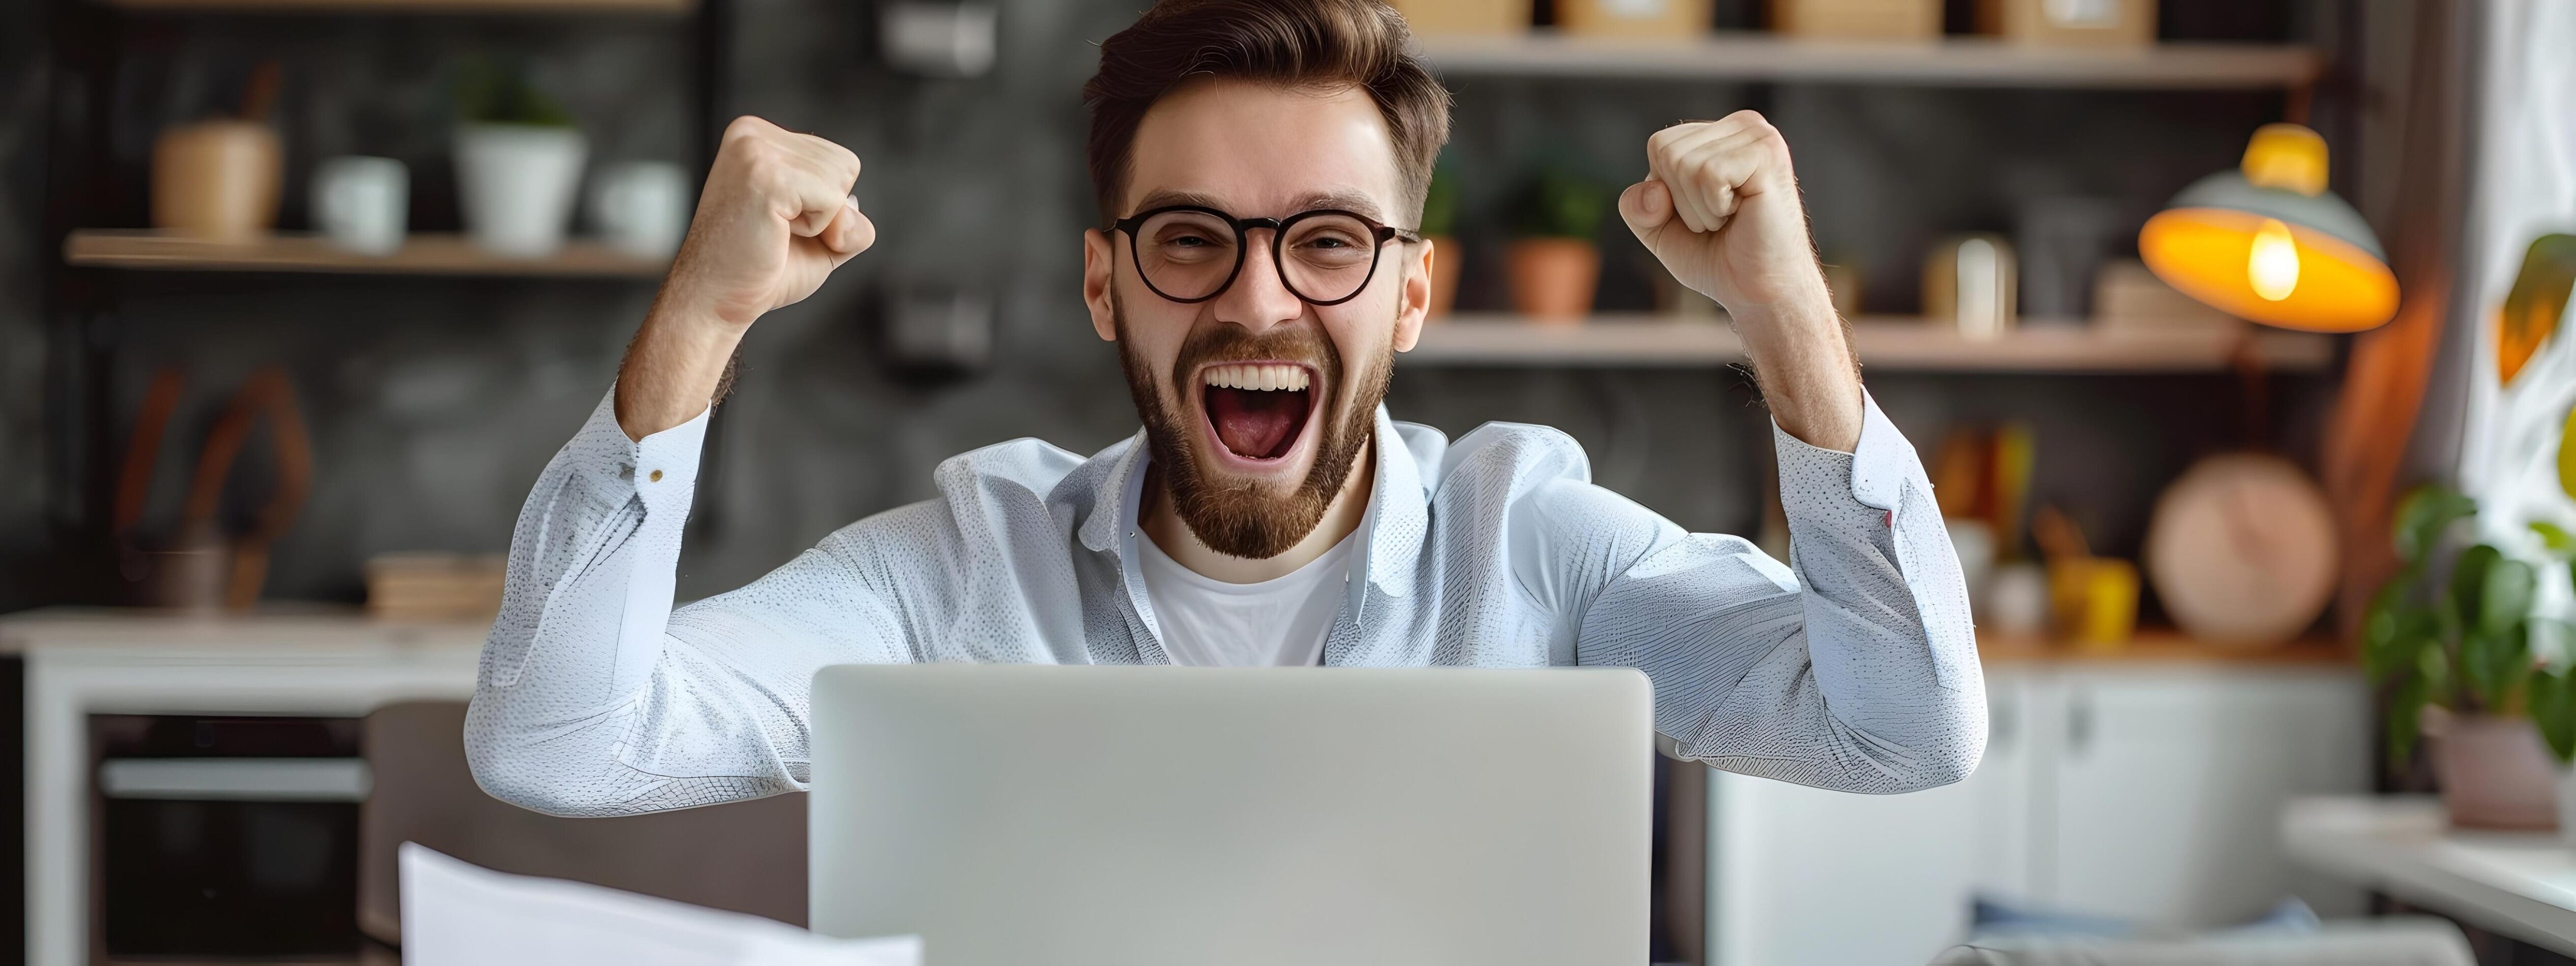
(2273, 266)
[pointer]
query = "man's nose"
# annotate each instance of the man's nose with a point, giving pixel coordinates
(1259, 298)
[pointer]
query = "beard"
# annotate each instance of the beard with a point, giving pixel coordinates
(1244, 518)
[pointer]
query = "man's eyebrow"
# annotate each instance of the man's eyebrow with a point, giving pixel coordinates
(1355, 202)
(1165, 198)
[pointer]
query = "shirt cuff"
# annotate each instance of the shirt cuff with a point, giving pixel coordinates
(662, 468)
(1878, 466)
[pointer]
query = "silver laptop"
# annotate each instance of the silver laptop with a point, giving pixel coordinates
(1017, 815)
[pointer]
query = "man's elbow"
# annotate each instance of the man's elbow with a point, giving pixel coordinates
(1946, 762)
(505, 770)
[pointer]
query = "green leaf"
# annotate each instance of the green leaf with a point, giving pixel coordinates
(2423, 515)
(2553, 708)
(2555, 537)
(2493, 664)
(1560, 203)
(2510, 585)
(2469, 582)
(2394, 639)
(1440, 203)
(2405, 717)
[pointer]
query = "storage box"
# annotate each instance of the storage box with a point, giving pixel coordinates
(2128, 297)
(1476, 17)
(1884, 19)
(2070, 23)
(1679, 19)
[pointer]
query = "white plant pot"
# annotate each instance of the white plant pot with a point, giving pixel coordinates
(517, 184)
(2567, 804)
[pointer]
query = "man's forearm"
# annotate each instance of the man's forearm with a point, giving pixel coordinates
(1803, 359)
(671, 371)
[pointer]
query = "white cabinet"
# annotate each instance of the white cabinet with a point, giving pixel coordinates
(2147, 793)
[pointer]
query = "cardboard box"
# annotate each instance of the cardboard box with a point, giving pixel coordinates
(1679, 19)
(1472, 17)
(2070, 23)
(1870, 19)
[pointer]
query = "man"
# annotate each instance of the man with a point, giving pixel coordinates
(1259, 165)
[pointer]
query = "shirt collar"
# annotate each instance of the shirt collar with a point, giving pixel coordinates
(1391, 533)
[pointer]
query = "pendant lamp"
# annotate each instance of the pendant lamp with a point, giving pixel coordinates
(2267, 242)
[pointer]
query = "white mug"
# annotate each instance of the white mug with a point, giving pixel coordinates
(641, 207)
(362, 204)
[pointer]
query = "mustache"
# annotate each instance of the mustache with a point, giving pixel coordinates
(1218, 344)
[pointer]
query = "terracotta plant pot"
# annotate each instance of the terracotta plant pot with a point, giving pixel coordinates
(1553, 278)
(1447, 260)
(2495, 772)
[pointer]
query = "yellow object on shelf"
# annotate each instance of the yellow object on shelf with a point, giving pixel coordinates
(1870, 19)
(2070, 23)
(1471, 17)
(1678, 19)
(2267, 242)
(2093, 601)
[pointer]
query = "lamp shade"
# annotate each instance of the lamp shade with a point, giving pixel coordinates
(2267, 242)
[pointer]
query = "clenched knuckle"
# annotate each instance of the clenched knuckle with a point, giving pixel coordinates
(744, 127)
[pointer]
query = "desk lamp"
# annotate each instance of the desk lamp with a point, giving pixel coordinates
(2267, 242)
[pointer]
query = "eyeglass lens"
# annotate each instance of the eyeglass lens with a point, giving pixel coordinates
(1191, 255)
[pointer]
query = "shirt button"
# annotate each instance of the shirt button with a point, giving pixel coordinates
(657, 476)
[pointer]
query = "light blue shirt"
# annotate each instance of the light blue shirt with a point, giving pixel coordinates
(1854, 667)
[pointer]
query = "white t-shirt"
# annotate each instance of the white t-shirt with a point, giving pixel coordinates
(1278, 622)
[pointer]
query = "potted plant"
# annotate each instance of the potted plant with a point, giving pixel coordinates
(2553, 685)
(518, 161)
(1440, 228)
(1553, 261)
(2453, 635)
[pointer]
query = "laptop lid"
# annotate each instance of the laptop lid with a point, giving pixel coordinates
(1030, 815)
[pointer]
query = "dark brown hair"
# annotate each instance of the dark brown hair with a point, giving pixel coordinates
(1293, 43)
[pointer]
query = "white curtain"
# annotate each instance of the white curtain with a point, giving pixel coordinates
(2523, 185)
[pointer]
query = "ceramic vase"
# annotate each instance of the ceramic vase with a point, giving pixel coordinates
(1552, 279)
(517, 184)
(2495, 772)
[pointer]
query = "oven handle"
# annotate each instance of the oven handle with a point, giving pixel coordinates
(238, 779)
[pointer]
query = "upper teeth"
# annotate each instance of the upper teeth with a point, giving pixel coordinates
(1257, 376)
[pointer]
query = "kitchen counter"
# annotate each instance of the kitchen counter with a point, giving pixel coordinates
(84, 661)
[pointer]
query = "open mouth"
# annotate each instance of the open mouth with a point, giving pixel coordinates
(1258, 409)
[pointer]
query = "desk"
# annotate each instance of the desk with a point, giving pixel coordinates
(2521, 884)
(90, 661)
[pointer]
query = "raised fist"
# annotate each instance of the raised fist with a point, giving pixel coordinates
(776, 217)
(1720, 208)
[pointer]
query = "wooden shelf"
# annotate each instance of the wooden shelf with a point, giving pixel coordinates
(428, 254)
(408, 6)
(1956, 62)
(1886, 343)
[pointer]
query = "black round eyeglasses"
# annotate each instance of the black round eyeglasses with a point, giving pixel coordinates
(1189, 253)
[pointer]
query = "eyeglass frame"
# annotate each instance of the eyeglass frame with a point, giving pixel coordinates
(1243, 227)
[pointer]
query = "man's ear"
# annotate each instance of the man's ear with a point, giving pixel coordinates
(1099, 269)
(1413, 304)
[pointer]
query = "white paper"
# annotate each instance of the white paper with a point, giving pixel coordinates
(458, 914)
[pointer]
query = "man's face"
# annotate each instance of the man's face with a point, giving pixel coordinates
(1257, 403)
